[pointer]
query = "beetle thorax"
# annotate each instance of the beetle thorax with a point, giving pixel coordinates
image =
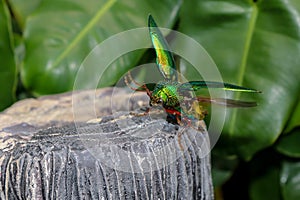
(165, 94)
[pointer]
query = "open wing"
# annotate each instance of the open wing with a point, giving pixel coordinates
(164, 58)
(197, 85)
(226, 102)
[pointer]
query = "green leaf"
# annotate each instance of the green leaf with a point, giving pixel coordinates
(266, 186)
(264, 175)
(289, 144)
(22, 9)
(295, 119)
(255, 44)
(222, 168)
(19, 50)
(290, 180)
(60, 34)
(8, 71)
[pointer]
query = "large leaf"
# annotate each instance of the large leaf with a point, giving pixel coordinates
(295, 119)
(222, 168)
(290, 180)
(255, 44)
(289, 144)
(264, 176)
(60, 34)
(266, 186)
(8, 72)
(22, 9)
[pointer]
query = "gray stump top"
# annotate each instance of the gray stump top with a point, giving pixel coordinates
(51, 148)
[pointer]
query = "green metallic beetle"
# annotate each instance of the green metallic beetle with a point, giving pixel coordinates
(176, 98)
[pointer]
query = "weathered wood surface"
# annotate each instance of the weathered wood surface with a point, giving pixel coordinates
(45, 154)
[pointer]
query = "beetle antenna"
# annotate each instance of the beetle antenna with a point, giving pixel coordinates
(128, 78)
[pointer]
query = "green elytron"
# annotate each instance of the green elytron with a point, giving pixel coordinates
(179, 99)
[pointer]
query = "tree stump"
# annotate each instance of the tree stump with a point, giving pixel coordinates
(46, 153)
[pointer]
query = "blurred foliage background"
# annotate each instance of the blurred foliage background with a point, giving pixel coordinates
(255, 43)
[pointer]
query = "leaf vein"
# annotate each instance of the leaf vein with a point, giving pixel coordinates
(243, 65)
(83, 32)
